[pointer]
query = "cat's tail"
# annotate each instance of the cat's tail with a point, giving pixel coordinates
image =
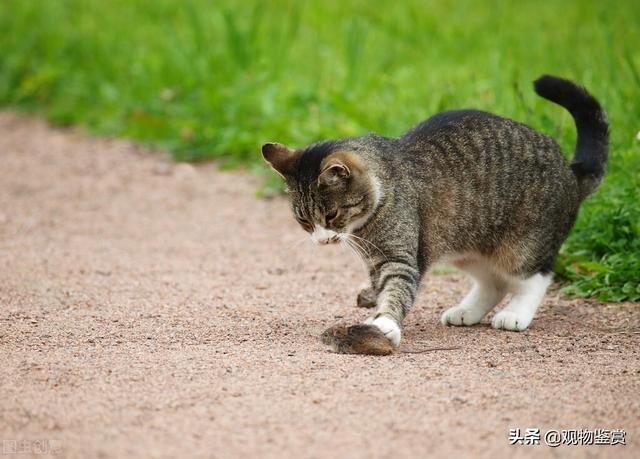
(590, 160)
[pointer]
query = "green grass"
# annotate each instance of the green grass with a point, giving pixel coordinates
(208, 79)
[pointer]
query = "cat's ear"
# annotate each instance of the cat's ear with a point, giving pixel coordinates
(334, 172)
(280, 157)
(339, 167)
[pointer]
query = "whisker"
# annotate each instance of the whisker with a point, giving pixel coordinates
(371, 244)
(354, 244)
(364, 254)
(295, 244)
(353, 251)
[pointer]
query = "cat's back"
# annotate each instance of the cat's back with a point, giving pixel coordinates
(459, 141)
(448, 120)
(469, 126)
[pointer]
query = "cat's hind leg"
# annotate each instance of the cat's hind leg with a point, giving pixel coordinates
(487, 291)
(527, 295)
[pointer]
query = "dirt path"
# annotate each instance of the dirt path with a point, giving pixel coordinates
(150, 309)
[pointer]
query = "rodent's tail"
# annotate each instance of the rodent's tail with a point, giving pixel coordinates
(590, 160)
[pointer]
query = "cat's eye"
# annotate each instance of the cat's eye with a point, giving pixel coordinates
(331, 215)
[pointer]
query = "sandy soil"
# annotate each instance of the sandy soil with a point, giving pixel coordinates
(151, 309)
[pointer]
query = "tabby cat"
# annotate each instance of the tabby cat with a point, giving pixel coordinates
(489, 195)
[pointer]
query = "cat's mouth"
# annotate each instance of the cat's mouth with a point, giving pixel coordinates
(324, 236)
(331, 240)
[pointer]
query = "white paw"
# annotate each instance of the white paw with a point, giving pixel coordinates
(510, 320)
(390, 329)
(368, 320)
(461, 316)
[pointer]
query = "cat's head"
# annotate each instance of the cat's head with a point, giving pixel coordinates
(332, 190)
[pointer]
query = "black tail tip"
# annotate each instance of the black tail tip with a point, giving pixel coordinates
(570, 95)
(549, 86)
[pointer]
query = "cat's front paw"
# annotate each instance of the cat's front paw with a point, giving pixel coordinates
(461, 316)
(366, 298)
(389, 328)
(510, 320)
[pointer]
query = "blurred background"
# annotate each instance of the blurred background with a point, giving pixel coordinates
(204, 79)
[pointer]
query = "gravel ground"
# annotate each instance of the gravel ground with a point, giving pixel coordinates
(152, 309)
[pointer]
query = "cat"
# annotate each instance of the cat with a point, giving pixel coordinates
(487, 194)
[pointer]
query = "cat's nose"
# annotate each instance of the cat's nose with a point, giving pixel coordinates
(323, 236)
